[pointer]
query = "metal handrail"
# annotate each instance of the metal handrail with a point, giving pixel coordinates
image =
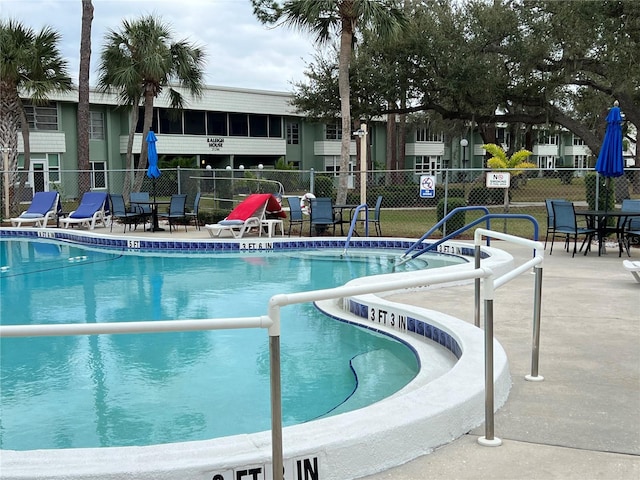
(354, 221)
(444, 220)
(536, 262)
(484, 218)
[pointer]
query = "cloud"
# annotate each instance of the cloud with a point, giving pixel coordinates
(240, 52)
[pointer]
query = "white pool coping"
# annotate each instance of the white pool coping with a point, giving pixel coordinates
(419, 418)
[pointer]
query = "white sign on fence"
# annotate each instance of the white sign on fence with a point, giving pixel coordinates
(427, 186)
(498, 179)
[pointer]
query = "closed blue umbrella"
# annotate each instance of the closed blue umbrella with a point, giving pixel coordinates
(153, 171)
(610, 160)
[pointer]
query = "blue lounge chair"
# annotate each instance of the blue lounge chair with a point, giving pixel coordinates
(93, 209)
(44, 206)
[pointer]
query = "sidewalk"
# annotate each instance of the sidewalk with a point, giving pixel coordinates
(583, 421)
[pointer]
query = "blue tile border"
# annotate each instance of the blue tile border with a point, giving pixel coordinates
(209, 246)
(413, 325)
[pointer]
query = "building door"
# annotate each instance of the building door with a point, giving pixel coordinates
(39, 176)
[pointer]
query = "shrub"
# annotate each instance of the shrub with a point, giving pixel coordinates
(323, 186)
(607, 194)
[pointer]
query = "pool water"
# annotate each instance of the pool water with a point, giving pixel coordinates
(121, 390)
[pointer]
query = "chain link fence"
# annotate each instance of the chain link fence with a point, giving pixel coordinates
(404, 211)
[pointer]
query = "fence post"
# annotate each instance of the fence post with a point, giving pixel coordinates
(311, 181)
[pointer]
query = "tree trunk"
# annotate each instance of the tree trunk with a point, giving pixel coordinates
(24, 125)
(146, 126)
(9, 120)
(84, 183)
(129, 161)
(346, 38)
(392, 146)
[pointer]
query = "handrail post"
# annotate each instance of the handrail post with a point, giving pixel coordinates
(476, 313)
(277, 458)
(535, 348)
(489, 440)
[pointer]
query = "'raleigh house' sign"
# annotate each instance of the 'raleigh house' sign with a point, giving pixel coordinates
(215, 143)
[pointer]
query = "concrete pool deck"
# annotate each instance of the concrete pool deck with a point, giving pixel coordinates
(581, 422)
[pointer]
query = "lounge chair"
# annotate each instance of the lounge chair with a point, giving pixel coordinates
(44, 206)
(248, 214)
(632, 266)
(93, 209)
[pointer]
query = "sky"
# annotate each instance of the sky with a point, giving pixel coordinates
(239, 51)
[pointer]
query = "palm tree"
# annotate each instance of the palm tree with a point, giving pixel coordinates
(30, 65)
(326, 19)
(138, 62)
(501, 161)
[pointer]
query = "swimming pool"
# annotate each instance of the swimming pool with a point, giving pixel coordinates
(120, 390)
(422, 416)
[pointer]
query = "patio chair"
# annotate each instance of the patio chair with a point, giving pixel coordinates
(629, 229)
(296, 217)
(142, 203)
(194, 213)
(322, 215)
(119, 211)
(177, 211)
(565, 226)
(44, 206)
(375, 220)
(550, 217)
(92, 210)
(247, 215)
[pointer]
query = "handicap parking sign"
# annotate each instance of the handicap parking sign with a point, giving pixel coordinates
(427, 186)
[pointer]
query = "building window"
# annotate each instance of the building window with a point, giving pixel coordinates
(502, 136)
(96, 125)
(580, 161)
(154, 120)
(428, 164)
(577, 141)
(423, 134)
(333, 131)
(547, 138)
(53, 159)
(98, 175)
(194, 122)
(258, 125)
(170, 121)
(293, 133)
(275, 126)
(42, 117)
(238, 125)
(217, 123)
